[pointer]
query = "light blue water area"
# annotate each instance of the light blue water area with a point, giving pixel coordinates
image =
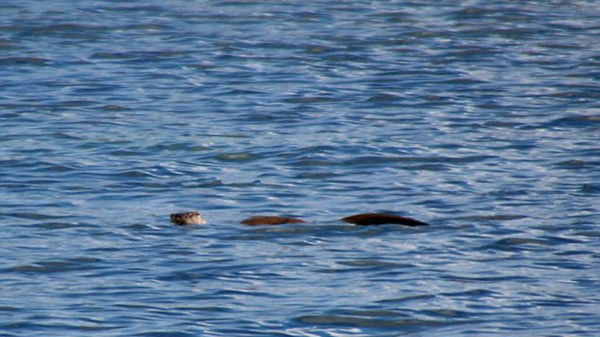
(481, 118)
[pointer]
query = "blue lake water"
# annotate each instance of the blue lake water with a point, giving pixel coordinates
(481, 118)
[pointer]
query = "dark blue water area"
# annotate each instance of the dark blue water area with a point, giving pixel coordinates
(481, 118)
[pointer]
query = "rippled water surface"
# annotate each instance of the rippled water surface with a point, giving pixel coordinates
(479, 117)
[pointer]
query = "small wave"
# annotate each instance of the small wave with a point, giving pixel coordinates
(238, 156)
(586, 121)
(59, 225)
(486, 279)
(311, 100)
(33, 216)
(114, 55)
(27, 61)
(366, 322)
(590, 188)
(516, 244)
(383, 98)
(492, 217)
(59, 266)
(576, 164)
(371, 160)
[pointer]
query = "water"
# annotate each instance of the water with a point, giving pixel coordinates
(479, 117)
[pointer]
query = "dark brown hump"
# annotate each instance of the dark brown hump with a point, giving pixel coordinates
(368, 219)
(270, 220)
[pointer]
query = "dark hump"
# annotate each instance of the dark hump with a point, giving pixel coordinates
(270, 220)
(369, 219)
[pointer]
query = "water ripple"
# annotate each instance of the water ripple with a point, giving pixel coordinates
(478, 118)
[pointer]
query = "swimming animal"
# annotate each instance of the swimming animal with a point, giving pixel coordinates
(370, 219)
(187, 218)
(363, 219)
(270, 220)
